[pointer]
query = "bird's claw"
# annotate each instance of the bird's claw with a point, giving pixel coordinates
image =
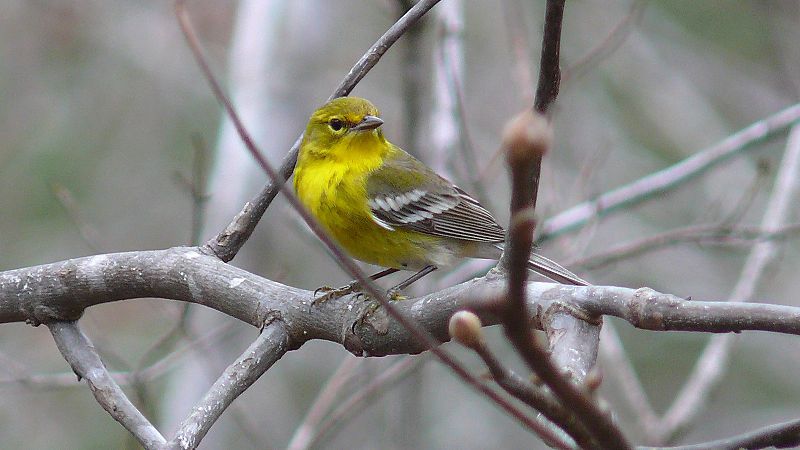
(334, 293)
(395, 294)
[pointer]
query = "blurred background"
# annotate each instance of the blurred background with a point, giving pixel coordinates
(106, 125)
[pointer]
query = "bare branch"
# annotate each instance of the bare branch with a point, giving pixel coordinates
(357, 402)
(711, 365)
(615, 38)
(465, 327)
(322, 403)
(80, 354)
(271, 344)
(550, 64)
(780, 435)
(665, 180)
(61, 290)
(526, 139)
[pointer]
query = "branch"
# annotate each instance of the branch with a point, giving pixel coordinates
(271, 344)
(712, 362)
(549, 66)
(80, 354)
(62, 290)
(780, 435)
(649, 186)
(465, 327)
(526, 140)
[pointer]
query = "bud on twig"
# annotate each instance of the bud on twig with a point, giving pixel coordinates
(526, 137)
(465, 327)
(593, 380)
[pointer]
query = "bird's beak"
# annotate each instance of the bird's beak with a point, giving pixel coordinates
(368, 123)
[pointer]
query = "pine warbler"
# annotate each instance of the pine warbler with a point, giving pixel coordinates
(387, 208)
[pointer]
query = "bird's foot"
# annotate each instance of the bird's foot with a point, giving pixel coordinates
(330, 293)
(395, 294)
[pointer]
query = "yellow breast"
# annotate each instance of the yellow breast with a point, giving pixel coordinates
(335, 194)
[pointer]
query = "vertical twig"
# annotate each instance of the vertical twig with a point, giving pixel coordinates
(526, 139)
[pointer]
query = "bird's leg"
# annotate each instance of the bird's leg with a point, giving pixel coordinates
(394, 292)
(353, 286)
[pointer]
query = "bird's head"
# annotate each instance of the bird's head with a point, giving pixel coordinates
(344, 124)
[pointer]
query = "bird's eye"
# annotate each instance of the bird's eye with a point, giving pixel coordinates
(336, 124)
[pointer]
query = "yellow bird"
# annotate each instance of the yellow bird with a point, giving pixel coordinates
(387, 208)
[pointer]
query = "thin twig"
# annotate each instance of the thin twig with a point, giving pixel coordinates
(526, 140)
(615, 38)
(322, 403)
(779, 435)
(550, 64)
(533, 396)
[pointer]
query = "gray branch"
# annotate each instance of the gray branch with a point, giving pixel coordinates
(81, 355)
(270, 345)
(62, 290)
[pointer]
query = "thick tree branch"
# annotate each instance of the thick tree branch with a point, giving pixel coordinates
(62, 290)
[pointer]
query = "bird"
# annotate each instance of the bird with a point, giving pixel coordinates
(386, 207)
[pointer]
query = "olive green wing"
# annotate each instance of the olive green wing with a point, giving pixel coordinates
(406, 194)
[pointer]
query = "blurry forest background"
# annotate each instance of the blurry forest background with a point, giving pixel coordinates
(102, 112)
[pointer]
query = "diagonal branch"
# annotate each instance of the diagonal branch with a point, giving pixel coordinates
(779, 435)
(670, 178)
(271, 344)
(80, 354)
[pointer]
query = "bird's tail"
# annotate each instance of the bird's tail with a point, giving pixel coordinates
(537, 263)
(553, 270)
(547, 268)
